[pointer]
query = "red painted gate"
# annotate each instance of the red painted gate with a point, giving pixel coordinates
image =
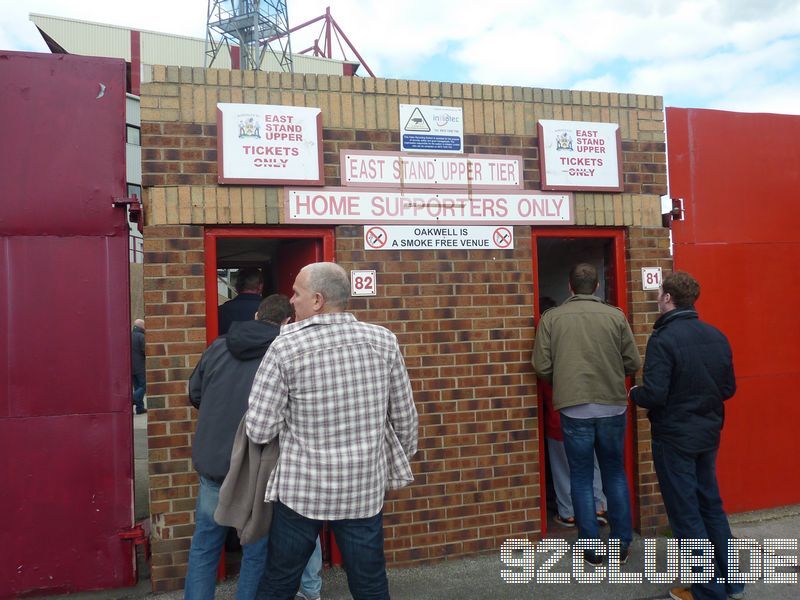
(738, 176)
(66, 458)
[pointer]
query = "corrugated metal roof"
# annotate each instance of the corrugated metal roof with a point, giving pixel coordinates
(90, 39)
(98, 39)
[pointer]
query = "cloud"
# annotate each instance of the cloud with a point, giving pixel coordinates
(713, 53)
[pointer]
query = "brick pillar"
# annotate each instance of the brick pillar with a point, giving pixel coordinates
(174, 299)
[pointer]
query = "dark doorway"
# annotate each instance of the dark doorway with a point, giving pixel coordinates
(280, 253)
(555, 252)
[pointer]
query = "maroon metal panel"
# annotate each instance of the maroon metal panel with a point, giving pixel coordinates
(63, 150)
(65, 410)
(738, 176)
(136, 61)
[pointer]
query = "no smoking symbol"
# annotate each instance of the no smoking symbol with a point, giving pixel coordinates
(502, 237)
(376, 237)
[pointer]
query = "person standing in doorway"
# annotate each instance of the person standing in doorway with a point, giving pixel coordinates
(138, 373)
(219, 387)
(688, 375)
(586, 348)
(336, 393)
(249, 287)
(559, 466)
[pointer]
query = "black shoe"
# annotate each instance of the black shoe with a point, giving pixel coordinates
(141, 412)
(623, 554)
(564, 521)
(592, 558)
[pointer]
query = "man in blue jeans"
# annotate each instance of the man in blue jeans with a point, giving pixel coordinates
(688, 375)
(336, 393)
(219, 388)
(207, 543)
(586, 348)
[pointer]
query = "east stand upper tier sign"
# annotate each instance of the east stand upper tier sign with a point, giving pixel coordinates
(267, 144)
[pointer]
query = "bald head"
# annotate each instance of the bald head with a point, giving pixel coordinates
(320, 288)
(330, 280)
(139, 323)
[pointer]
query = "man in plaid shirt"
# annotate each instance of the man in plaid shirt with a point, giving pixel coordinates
(337, 393)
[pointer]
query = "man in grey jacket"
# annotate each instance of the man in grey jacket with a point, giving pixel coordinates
(586, 348)
(219, 387)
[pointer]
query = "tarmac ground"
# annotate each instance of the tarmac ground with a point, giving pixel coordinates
(480, 578)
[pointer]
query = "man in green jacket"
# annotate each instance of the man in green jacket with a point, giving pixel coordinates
(586, 348)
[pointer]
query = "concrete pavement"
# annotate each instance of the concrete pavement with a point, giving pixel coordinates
(479, 578)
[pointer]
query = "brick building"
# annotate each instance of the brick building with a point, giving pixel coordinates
(464, 318)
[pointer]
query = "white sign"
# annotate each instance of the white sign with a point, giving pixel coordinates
(579, 155)
(651, 278)
(437, 237)
(362, 206)
(425, 128)
(366, 168)
(363, 283)
(260, 143)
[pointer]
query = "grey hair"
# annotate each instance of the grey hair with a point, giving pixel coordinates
(330, 280)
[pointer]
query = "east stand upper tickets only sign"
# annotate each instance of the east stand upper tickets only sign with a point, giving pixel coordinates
(580, 155)
(268, 144)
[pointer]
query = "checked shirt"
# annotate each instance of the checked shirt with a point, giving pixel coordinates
(337, 393)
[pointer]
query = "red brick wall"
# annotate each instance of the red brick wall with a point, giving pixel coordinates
(463, 318)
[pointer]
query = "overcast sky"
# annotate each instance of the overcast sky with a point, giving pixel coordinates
(727, 54)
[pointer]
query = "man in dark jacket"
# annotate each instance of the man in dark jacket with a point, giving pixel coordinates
(249, 286)
(688, 374)
(138, 366)
(219, 387)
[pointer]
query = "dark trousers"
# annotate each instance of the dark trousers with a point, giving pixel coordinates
(139, 387)
(691, 496)
(292, 538)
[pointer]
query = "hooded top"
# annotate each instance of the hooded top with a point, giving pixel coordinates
(219, 387)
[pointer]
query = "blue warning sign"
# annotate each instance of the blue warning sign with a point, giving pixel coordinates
(431, 143)
(425, 128)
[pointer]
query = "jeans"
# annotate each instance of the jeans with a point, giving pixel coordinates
(291, 542)
(207, 543)
(691, 496)
(605, 437)
(559, 470)
(139, 387)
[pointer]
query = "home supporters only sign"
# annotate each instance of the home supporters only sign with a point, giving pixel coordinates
(580, 155)
(377, 206)
(268, 144)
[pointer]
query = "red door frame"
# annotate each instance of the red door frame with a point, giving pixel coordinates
(620, 289)
(279, 232)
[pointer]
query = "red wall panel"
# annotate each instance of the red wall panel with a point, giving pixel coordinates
(738, 175)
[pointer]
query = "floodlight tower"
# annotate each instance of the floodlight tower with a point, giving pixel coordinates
(254, 26)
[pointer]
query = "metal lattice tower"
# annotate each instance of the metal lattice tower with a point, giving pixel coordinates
(256, 27)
